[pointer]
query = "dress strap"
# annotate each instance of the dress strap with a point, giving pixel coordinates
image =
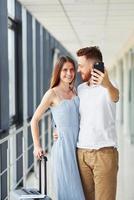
(58, 96)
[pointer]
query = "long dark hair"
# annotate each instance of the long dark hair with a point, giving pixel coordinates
(55, 79)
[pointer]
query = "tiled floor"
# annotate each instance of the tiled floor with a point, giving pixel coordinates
(125, 190)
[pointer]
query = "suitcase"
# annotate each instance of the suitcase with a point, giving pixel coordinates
(32, 193)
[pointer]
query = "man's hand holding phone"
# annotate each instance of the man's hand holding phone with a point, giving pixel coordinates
(99, 75)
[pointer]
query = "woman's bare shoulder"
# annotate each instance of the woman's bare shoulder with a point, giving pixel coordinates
(49, 93)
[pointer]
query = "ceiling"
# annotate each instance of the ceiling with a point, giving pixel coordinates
(80, 23)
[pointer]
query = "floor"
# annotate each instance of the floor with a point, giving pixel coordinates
(126, 168)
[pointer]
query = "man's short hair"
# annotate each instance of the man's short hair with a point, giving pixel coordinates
(92, 52)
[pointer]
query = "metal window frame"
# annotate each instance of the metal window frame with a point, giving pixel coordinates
(25, 106)
(29, 66)
(18, 60)
(4, 77)
(38, 63)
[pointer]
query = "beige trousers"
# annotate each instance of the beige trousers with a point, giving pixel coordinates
(98, 171)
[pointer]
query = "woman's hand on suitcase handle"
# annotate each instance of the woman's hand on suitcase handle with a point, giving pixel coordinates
(38, 152)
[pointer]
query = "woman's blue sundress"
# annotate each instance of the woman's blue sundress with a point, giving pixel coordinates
(67, 183)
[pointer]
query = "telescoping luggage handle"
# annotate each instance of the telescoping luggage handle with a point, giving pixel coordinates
(43, 159)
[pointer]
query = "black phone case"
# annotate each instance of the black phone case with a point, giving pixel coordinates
(99, 66)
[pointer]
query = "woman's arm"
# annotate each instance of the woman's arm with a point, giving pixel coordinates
(43, 106)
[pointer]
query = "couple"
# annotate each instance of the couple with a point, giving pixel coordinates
(85, 156)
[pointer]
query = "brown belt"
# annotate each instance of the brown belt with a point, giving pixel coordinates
(102, 148)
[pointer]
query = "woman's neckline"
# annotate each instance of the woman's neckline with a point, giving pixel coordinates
(63, 100)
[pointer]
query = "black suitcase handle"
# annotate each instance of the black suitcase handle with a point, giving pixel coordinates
(43, 159)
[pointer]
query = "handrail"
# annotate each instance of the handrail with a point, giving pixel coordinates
(12, 159)
(19, 130)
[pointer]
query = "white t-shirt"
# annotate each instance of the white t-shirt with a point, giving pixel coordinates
(97, 118)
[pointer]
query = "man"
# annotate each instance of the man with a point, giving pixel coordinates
(97, 142)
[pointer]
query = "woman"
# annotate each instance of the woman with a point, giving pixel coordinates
(61, 98)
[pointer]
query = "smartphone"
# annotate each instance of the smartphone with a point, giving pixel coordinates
(99, 66)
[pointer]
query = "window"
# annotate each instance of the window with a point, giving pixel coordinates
(55, 56)
(131, 97)
(15, 69)
(11, 8)
(11, 61)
